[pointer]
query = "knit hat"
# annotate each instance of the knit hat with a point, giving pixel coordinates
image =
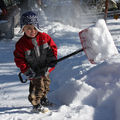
(29, 18)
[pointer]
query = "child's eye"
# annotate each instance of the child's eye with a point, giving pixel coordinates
(34, 28)
(29, 28)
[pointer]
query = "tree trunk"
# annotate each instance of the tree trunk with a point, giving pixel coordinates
(106, 10)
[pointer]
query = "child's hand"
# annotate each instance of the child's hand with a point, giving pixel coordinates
(30, 75)
(41, 72)
(53, 62)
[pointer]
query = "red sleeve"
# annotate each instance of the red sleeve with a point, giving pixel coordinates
(52, 45)
(54, 49)
(19, 59)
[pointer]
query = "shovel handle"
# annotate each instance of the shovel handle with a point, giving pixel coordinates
(21, 79)
(67, 56)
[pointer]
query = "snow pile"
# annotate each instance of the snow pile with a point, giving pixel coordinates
(80, 89)
(98, 42)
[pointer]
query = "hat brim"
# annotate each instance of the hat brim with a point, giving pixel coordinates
(21, 30)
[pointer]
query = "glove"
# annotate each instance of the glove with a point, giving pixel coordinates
(53, 62)
(41, 72)
(30, 74)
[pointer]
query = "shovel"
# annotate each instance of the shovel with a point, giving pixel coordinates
(56, 61)
(97, 43)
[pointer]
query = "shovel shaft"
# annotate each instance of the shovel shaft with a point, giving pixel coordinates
(67, 56)
(58, 60)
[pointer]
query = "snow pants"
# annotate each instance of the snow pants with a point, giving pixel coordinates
(38, 89)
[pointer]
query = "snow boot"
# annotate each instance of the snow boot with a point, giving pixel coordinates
(39, 108)
(46, 102)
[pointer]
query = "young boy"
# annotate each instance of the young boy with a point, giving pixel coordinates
(34, 55)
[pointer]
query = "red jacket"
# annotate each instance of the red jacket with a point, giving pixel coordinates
(25, 56)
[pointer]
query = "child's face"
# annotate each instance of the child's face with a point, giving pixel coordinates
(30, 31)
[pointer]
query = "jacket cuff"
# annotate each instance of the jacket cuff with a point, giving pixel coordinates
(28, 71)
(50, 69)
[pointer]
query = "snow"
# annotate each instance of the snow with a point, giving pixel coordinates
(81, 90)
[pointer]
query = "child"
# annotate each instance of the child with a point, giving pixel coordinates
(34, 55)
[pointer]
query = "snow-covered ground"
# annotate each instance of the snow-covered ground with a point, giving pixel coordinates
(81, 90)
